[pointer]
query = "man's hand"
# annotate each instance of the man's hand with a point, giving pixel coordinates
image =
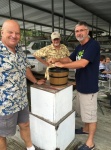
(58, 64)
(41, 81)
(52, 60)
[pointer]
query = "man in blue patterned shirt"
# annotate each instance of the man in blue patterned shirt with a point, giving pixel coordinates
(14, 69)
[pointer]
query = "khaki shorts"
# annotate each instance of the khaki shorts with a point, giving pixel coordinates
(8, 122)
(86, 106)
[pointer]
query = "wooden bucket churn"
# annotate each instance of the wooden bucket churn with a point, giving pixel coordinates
(58, 76)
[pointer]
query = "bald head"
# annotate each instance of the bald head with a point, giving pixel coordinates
(10, 33)
(8, 23)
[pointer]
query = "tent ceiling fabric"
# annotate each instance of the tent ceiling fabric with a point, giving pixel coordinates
(38, 14)
(98, 7)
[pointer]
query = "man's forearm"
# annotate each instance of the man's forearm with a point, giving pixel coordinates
(65, 60)
(62, 60)
(30, 76)
(41, 60)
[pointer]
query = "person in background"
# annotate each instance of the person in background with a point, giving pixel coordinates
(56, 50)
(105, 65)
(85, 59)
(108, 64)
(102, 66)
(108, 60)
(14, 69)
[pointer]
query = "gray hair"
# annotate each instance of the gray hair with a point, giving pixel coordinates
(81, 23)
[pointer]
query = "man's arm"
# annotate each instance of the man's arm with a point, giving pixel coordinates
(30, 76)
(40, 54)
(62, 60)
(41, 60)
(73, 65)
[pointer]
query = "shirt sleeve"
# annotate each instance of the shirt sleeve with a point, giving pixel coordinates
(41, 52)
(27, 63)
(66, 51)
(73, 56)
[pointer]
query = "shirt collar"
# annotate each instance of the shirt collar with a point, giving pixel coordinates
(54, 47)
(3, 47)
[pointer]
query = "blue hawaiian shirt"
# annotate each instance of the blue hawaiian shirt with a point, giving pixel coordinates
(13, 87)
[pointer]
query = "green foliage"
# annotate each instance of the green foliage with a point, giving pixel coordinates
(29, 33)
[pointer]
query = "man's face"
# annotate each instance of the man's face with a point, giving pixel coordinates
(11, 35)
(56, 42)
(81, 32)
(107, 59)
(103, 61)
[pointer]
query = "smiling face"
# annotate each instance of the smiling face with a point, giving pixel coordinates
(10, 34)
(81, 33)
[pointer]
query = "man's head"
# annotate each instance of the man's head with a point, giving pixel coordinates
(81, 31)
(55, 37)
(10, 33)
(108, 59)
(102, 59)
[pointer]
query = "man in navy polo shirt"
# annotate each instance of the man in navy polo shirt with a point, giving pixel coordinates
(85, 59)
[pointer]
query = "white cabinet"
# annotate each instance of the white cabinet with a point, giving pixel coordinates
(52, 119)
(49, 136)
(51, 103)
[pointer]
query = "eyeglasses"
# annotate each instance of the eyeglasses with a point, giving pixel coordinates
(82, 30)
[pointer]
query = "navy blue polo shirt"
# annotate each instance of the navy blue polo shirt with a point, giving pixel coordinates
(87, 78)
